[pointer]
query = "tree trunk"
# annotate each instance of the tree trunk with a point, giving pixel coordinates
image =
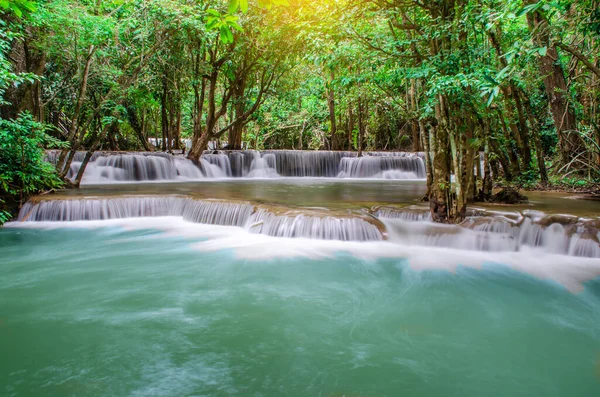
(61, 167)
(520, 132)
(138, 127)
(426, 137)
(331, 105)
(350, 126)
(440, 195)
(164, 117)
(84, 163)
(570, 142)
(535, 130)
(515, 168)
(360, 127)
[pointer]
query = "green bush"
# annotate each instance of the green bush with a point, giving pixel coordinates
(23, 171)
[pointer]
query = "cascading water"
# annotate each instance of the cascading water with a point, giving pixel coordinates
(393, 167)
(109, 167)
(532, 230)
(315, 227)
(256, 220)
(193, 289)
(129, 167)
(216, 166)
(263, 166)
(296, 163)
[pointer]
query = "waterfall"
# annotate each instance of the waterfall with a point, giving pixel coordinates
(393, 167)
(138, 167)
(297, 163)
(531, 230)
(110, 167)
(253, 219)
(328, 164)
(186, 169)
(241, 162)
(565, 236)
(217, 212)
(315, 227)
(263, 166)
(216, 165)
(284, 163)
(406, 215)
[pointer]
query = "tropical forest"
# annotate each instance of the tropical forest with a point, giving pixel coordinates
(300, 198)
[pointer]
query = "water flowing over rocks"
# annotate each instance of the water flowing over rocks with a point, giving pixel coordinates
(481, 231)
(558, 234)
(111, 167)
(255, 219)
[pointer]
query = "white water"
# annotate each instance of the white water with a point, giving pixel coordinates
(529, 231)
(570, 272)
(254, 219)
(106, 168)
(408, 166)
(532, 230)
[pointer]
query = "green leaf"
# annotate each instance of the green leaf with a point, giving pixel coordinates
(244, 6)
(489, 79)
(29, 5)
(233, 6)
(264, 4)
(236, 26)
(527, 9)
(226, 35)
(214, 13)
(510, 56)
(503, 73)
(542, 51)
(212, 22)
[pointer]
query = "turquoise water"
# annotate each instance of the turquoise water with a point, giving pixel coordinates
(124, 311)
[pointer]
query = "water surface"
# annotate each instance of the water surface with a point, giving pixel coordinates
(124, 310)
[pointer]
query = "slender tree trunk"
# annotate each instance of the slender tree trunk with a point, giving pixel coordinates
(486, 187)
(361, 127)
(331, 105)
(236, 132)
(139, 127)
(511, 149)
(301, 143)
(520, 132)
(569, 142)
(426, 138)
(440, 195)
(74, 129)
(84, 163)
(350, 126)
(164, 119)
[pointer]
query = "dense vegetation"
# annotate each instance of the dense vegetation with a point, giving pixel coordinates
(516, 80)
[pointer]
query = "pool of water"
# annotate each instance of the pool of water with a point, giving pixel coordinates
(161, 307)
(176, 306)
(322, 192)
(326, 192)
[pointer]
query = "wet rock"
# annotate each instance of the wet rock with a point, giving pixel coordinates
(509, 196)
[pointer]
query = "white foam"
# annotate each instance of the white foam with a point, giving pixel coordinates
(570, 272)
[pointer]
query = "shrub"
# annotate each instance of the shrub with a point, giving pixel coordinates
(23, 169)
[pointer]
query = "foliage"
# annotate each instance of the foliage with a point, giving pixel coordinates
(7, 76)
(315, 75)
(23, 170)
(17, 6)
